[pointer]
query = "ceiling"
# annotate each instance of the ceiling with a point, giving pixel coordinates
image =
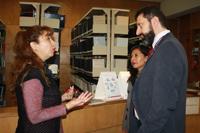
(151, 0)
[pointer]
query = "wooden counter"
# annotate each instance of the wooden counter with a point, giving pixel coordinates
(8, 119)
(103, 118)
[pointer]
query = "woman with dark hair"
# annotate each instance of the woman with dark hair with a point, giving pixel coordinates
(39, 101)
(138, 57)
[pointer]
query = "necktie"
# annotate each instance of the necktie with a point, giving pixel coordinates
(151, 51)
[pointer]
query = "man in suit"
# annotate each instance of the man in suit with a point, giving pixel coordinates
(159, 92)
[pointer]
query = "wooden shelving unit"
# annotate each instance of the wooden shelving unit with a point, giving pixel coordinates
(93, 47)
(90, 43)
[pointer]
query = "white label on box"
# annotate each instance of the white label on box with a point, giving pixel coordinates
(119, 41)
(99, 41)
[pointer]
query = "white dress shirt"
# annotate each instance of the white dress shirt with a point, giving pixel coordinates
(159, 36)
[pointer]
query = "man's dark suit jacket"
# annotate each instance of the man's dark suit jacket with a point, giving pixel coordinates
(159, 93)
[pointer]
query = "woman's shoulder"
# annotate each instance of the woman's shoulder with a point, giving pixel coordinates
(33, 73)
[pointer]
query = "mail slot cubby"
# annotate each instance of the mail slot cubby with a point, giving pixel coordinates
(132, 37)
(98, 66)
(74, 48)
(90, 26)
(120, 46)
(90, 66)
(95, 22)
(119, 63)
(132, 30)
(50, 16)
(84, 82)
(94, 46)
(29, 14)
(119, 39)
(120, 21)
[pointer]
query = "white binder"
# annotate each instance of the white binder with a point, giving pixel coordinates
(111, 87)
(123, 83)
(107, 87)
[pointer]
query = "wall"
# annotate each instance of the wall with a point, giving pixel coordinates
(73, 10)
(183, 28)
(172, 7)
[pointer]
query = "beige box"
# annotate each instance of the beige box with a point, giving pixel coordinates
(100, 28)
(51, 22)
(98, 63)
(122, 20)
(99, 24)
(99, 19)
(27, 21)
(120, 29)
(123, 51)
(99, 50)
(120, 64)
(119, 41)
(98, 67)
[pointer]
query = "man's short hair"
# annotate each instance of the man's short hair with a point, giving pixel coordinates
(151, 11)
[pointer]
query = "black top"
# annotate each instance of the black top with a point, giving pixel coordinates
(51, 97)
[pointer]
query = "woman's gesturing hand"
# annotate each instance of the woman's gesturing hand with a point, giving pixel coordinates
(81, 100)
(68, 95)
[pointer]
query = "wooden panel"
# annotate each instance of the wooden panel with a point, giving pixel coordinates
(173, 26)
(115, 129)
(101, 117)
(184, 30)
(9, 12)
(8, 124)
(192, 124)
(105, 118)
(195, 20)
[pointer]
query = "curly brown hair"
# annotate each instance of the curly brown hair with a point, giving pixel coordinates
(24, 55)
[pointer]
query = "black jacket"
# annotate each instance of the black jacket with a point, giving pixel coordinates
(159, 93)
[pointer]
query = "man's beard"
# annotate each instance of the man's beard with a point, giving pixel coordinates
(148, 38)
